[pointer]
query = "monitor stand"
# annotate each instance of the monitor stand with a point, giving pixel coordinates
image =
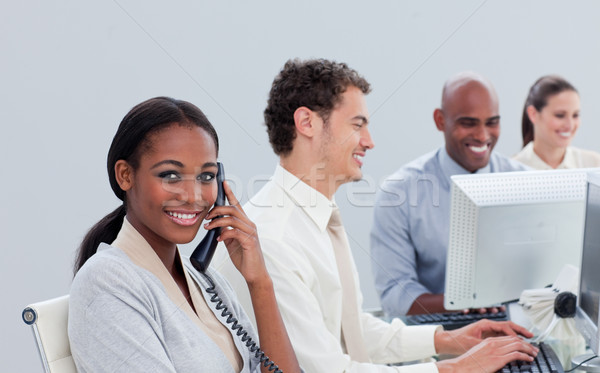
(592, 365)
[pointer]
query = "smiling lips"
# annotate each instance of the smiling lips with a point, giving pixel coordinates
(184, 218)
(565, 135)
(479, 149)
(358, 158)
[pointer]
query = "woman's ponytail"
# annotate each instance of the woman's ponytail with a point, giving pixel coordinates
(105, 230)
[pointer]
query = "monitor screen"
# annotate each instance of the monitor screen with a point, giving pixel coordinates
(510, 232)
(588, 301)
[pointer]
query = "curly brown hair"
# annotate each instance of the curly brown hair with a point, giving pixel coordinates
(317, 84)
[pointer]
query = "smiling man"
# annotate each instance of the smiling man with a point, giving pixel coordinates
(409, 238)
(318, 124)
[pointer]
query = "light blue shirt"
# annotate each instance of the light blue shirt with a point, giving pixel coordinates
(409, 238)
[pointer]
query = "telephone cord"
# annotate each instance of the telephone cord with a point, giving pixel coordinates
(238, 329)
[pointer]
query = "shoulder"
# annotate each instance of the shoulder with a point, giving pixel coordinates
(501, 163)
(587, 158)
(522, 156)
(109, 271)
(270, 205)
(277, 216)
(394, 188)
(426, 163)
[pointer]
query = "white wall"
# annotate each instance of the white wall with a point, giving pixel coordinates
(70, 70)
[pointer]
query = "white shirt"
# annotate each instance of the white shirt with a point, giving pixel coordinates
(574, 158)
(291, 218)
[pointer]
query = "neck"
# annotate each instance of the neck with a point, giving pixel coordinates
(166, 251)
(553, 156)
(314, 174)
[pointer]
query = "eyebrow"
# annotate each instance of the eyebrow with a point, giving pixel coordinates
(472, 119)
(180, 165)
(361, 118)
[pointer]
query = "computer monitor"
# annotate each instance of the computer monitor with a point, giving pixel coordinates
(510, 232)
(588, 301)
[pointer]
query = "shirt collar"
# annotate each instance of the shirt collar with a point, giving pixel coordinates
(568, 160)
(538, 163)
(141, 253)
(315, 204)
(451, 167)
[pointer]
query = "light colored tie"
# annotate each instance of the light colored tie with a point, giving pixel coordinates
(351, 331)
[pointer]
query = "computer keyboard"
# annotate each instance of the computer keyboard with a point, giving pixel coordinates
(546, 361)
(453, 320)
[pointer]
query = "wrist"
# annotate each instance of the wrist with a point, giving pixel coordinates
(441, 340)
(261, 284)
(446, 366)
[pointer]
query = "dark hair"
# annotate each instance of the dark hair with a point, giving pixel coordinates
(539, 93)
(130, 142)
(317, 84)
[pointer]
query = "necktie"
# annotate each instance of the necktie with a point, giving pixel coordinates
(351, 330)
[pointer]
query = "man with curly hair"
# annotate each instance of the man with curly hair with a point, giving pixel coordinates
(318, 124)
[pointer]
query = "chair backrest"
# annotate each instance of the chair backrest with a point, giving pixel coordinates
(48, 320)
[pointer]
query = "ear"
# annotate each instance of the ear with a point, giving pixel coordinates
(532, 113)
(304, 121)
(438, 118)
(124, 174)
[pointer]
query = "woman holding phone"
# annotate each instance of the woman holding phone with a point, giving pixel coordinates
(136, 304)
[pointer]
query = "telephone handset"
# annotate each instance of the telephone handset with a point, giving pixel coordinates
(205, 250)
(200, 259)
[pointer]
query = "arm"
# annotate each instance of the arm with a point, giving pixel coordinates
(427, 303)
(111, 323)
(434, 303)
(393, 252)
(311, 320)
(242, 243)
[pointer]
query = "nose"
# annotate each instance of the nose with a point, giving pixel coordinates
(190, 191)
(572, 123)
(365, 139)
(481, 133)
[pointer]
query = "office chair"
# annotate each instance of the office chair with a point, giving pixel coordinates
(48, 320)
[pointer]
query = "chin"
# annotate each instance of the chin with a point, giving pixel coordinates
(356, 177)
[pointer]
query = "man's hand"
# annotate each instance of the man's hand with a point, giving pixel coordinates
(458, 341)
(485, 310)
(490, 356)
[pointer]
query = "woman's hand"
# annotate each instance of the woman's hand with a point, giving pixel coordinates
(240, 237)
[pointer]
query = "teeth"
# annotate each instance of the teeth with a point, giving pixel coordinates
(182, 216)
(478, 149)
(359, 157)
(564, 134)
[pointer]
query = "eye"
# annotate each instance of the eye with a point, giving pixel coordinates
(169, 176)
(206, 177)
(358, 126)
(560, 115)
(493, 123)
(467, 123)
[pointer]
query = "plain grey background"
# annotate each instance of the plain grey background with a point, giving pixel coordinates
(70, 70)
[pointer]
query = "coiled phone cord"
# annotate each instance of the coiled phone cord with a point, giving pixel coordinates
(238, 329)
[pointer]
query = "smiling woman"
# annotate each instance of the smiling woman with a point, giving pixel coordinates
(550, 121)
(136, 304)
